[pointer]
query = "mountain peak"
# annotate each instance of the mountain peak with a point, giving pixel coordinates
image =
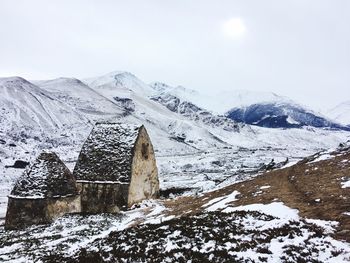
(160, 86)
(60, 81)
(15, 81)
(122, 80)
(117, 74)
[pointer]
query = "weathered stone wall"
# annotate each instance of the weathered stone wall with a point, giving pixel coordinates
(61, 206)
(23, 212)
(144, 173)
(98, 197)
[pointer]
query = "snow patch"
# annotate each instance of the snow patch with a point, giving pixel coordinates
(276, 209)
(221, 202)
(345, 184)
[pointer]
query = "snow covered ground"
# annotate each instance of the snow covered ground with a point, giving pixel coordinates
(261, 232)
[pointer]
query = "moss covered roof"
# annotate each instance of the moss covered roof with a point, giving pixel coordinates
(47, 177)
(107, 153)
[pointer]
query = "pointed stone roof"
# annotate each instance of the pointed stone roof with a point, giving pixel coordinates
(47, 177)
(107, 153)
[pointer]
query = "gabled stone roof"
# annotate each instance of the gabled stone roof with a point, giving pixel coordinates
(107, 153)
(47, 177)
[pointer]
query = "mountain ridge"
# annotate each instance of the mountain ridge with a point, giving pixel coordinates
(281, 115)
(341, 113)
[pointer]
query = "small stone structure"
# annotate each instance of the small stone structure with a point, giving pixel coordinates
(116, 168)
(44, 192)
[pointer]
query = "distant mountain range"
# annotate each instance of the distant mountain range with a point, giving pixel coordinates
(61, 112)
(264, 109)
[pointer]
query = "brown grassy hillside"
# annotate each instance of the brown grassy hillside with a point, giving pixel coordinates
(313, 187)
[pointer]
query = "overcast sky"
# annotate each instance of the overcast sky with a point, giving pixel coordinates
(296, 48)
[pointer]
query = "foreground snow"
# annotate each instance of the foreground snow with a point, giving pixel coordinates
(239, 236)
(221, 233)
(71, 232)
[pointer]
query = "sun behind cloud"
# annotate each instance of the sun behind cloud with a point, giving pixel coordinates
(234, 28)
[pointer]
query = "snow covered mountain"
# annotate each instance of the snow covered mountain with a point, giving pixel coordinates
(281, 115)
(179, 91)
(123, 82)
(30, 116)
(126, 89)
(341, 113)
(63, 110)
(24, 103)
(224, 100)
(194, 146)
(193, 112)
(81, 97)
(265, 109)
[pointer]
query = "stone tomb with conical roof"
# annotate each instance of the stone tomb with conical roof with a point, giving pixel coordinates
(44, 192)
(116, 168)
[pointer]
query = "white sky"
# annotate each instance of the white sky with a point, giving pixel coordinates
(296, 48)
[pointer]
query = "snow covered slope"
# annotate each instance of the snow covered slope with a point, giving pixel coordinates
(125, 87)
(193, 112)
(25, 104)
(32, 120)
(281, 115)
(341, 113)
(120, 80)
(30, 116)
(222, 101)
(81, 97)
(181, 93)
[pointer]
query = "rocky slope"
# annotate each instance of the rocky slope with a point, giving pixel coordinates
(195, 113)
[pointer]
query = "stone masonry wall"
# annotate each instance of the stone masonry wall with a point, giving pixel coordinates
(23, 212)
(103, 197)
(144, 173)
